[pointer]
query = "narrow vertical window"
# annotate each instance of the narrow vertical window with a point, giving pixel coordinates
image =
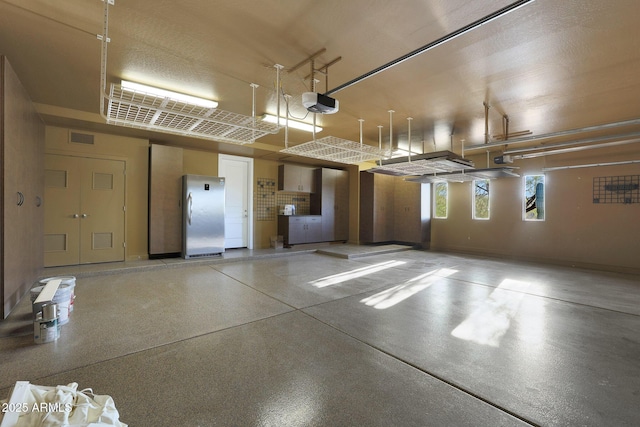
(481, 199)
(441, 195)
(534, 197)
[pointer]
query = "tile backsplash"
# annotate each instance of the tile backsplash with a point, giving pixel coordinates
(299, 200)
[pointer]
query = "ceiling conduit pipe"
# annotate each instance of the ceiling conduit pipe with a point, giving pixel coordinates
(278, 68)
(534, 138)
(380, 142)
(254, 86)
(287, 98)
(409, 135)
(433, 44)
(486, 122)
(391, 133)
(624, 162)
(104, 38)
(629, 138)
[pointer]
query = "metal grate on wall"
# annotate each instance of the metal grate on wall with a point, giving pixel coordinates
(266, 209)
(616, 189)
(137, 109)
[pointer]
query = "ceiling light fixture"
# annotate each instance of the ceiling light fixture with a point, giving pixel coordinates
(307, 127)
(181, 97)
(144, 107)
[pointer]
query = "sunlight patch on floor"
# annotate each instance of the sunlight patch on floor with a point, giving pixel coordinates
(348, 275)
(491, 321)
(392, 296)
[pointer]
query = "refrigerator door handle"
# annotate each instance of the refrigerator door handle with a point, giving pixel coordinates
(190, 202)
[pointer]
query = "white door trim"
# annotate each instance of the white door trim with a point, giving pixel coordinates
(249, 161)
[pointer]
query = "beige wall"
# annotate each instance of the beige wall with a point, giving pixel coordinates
(576, 231)
(199, 163)
(135, 152)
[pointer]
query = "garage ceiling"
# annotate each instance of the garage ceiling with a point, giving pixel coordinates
(548, 65)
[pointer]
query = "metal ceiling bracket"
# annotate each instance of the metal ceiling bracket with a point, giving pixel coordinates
(310, 58)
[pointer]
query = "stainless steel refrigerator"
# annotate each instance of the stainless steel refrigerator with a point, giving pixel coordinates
(202, 216)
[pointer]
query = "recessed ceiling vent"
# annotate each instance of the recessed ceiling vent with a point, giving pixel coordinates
(81, 138)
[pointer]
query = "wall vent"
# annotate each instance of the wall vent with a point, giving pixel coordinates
(81, 138)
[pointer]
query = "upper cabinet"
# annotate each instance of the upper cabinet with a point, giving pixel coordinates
(295, 178)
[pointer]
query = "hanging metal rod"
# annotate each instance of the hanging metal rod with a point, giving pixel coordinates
(433, 44)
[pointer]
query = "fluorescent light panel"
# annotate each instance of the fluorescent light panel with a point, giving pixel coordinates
(292, 123)
(137, 87)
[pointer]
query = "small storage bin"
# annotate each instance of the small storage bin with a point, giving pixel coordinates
(277, 242)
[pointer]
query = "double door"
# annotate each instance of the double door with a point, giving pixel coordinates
(84, 210)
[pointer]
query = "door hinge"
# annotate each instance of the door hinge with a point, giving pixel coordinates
(124, 244)
(124, 209)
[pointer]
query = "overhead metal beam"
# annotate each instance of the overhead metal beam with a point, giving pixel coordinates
(433, 44)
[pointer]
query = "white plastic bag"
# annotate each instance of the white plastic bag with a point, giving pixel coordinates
(66, 406)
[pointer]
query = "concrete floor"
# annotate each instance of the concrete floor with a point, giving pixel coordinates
(278, 338)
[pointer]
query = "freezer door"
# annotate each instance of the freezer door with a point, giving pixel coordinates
(203, 215)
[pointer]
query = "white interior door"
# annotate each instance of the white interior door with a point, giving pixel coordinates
(238, 215)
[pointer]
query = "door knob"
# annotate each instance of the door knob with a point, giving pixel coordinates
(76, 216)
(84, 215)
